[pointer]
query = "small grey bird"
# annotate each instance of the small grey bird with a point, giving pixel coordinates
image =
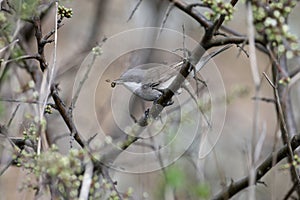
(149, 80)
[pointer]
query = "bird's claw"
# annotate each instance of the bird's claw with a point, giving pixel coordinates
(147, 113)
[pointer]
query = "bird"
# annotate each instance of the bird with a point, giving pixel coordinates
(148, 81)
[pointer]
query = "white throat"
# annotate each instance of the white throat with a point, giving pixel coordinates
(133, 86)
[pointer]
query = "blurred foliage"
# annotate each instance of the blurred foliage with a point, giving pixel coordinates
(64, 172)
(295, 163)
(2, 108)
(218, 8)
(178, 180)
(236, 92)
(25, 9)
(16, 52)
(2, 18)
(271, 22)
(202, 191)
(175, 177)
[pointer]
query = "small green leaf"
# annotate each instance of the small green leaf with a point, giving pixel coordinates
(202, 191)
(175, 177)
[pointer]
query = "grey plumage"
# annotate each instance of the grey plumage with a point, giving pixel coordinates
(149, 80)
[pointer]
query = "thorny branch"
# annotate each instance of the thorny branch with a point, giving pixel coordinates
(236, 186)
(208, 41)
(42, 40)
(286, 118)
(197, 53)
(66, 115)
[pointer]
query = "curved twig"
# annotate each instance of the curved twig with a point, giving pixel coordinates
(236, 186)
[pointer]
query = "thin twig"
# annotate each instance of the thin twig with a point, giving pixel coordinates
(105, 174)
(13, 116)
(87, 180)
(167, 13)
(38, 35)
(256, 80)
(21, 101)
(9, 45)
(84, 78)
(17, 145)
(58, 137)
(201, 19)
(236, 186)
(134, 10)
(48, 35)
(285, 136)
(264, 99)
(192, 5)
(25, 57)
(61, 107)
(290, 192)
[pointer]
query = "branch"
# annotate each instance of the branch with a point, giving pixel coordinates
(261, 170)
(168, 11)
(40, 45)
(67, 117)
(48, 35)
(167, 95)
(134, 10)
(285, 114)
(191, 12)
(259, 44)
(84, 78)
(105, 174)
(212, 29)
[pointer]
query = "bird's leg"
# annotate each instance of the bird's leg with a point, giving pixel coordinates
(147, 113)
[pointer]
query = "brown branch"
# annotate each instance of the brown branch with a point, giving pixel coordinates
(28, 30)
(42, 40)
(39, 40)
(290, 192)
(66, 115)
(191, 12)
(221, 20)
(212, 29)
(260, 44)
(285, 115)
(21, 101)
(236, 186)
(48, 35)
(164, 100)
(167, 13)
(134, 10)
(285, 99)
(264, 99)
(105, 174)
(205, 23)
(12, 116)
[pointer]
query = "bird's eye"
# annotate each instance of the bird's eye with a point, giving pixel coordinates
(113, 84)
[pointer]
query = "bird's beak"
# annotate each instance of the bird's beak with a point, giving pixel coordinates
(116, 82)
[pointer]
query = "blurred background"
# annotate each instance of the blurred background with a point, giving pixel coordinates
(93, 21)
